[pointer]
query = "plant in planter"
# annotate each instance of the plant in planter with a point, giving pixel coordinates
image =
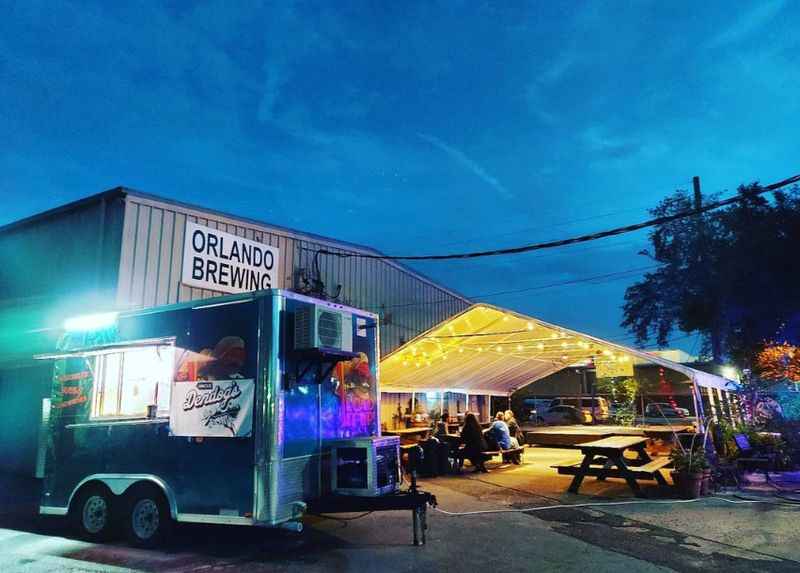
(691, 466)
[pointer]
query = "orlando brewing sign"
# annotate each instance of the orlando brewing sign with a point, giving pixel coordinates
(219, 261)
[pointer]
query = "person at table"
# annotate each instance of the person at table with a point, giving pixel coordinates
(499, 431)
(474, 443)
(441, 427)
(513, 427)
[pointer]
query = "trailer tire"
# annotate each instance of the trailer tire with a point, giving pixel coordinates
(93, 513)
(146, 517)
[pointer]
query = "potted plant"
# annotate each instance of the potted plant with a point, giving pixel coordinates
(690, 465)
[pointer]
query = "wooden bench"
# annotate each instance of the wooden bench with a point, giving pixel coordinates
(505, 455)
(649, 471)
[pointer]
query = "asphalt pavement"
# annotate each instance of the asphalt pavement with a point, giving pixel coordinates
(712, 534)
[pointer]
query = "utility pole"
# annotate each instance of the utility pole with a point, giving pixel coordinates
(698, 198)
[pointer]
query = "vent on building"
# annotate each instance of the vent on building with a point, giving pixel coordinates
(317, 327)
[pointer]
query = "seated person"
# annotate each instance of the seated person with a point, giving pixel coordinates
(474, 442)
(441, 426)
(499, 430)
(513, 427)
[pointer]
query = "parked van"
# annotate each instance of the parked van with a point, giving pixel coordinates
(601, 409)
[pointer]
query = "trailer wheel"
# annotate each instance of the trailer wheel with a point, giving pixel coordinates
(147, 519)
(92, 513)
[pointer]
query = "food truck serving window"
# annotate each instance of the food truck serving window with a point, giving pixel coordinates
(127, 382)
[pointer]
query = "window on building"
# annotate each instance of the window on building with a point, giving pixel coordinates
(128, 381)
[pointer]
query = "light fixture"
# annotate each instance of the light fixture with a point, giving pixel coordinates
(530, 326)
(553, 335)
(499, 348)
(519, 348)
(461, 349)
(540, 346)
(90, 322)
(730, 373)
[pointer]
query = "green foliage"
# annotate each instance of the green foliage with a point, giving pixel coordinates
(790, 405)
(622, 392)
(686, 460)
(758, 438)
(728, 274)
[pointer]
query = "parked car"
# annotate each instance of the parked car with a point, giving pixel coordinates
(584, 403)
(559, 415)
(535, 405)
(665, 410)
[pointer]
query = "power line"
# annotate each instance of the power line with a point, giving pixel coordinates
(610, 276)
(579, 239)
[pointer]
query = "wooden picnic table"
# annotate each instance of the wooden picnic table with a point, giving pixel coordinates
(611, 462)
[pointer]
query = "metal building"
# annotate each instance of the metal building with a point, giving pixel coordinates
(123, 249)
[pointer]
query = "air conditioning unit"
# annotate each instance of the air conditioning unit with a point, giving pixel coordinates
(365, 466)
(322, 327)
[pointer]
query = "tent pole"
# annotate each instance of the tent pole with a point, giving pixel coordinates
(699, 413)
(714, 408)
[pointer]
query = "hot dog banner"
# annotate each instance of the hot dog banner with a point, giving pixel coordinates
(212, 408)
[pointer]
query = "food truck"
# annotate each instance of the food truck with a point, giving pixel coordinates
(223, 410)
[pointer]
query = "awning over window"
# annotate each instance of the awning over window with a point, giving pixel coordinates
(493, 351)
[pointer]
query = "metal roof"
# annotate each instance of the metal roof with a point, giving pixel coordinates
(122, 192)
(494, 351)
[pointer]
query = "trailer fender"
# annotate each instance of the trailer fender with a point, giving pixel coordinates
(120, 483)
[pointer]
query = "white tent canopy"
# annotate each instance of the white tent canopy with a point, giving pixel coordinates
(492, 351)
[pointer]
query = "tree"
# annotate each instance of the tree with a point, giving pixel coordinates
(730, 275)
(779, 363)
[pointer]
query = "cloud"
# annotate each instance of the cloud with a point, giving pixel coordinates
(598, 141)
(470, 164)
(748, 23)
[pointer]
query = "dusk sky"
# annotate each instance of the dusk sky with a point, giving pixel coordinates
(415, 128)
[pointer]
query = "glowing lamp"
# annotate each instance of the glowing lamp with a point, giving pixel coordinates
(90, 322)
(730, 373)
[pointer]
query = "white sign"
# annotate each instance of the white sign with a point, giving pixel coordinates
(212, 408)
(219, 261)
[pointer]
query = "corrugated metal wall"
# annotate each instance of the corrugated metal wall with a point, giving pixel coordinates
(151, 263)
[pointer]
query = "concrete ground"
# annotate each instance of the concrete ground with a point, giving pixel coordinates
(711, 534)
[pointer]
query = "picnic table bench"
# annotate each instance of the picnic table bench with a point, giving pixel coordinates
(506, 456)
(605, 458)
